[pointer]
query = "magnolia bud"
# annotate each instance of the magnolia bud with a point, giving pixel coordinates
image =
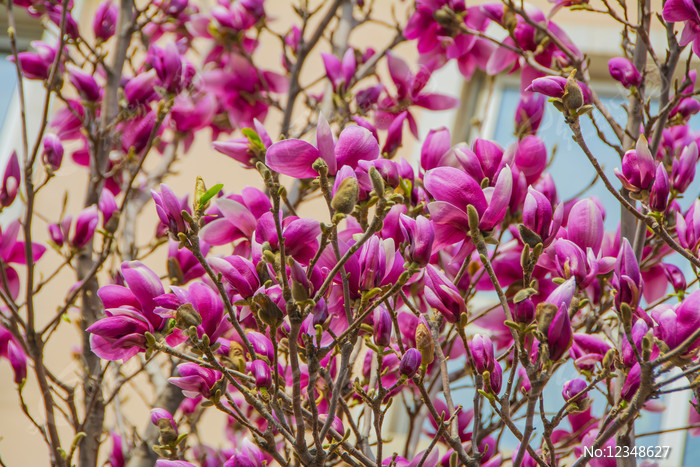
(187, 316)
(346, 196)
(236, 354)
(573, 96)
(424, 344)
(545, 314)
(268, 311)
(377, 181)
(410, 362)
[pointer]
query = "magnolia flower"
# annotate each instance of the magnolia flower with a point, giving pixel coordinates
(420, 235)
(340, 73)
(638, 168)
(10, 181)
(104, 23)
(453, 191)
(676, 324)
(529, 113)
(84, 83)
(683, 168)
(13, 352)
(689, 14)
(52, 154)
(409, 91)
(296, 158)
(169, 210)
(195, 380)
(130, 314)
(410, 363)
(555, 86)
(622, 70)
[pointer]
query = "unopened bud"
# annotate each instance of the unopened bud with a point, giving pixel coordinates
(167, 432)
(346, 196)
(268, 311)
(199, 189)
(545, 313)
(473, 216)
(320, 166)
(573, 96)
(377, 181)
(424, 344)
(186, 316)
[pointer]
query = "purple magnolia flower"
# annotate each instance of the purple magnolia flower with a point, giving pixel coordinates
(622, 70)
(175, 463)
(632, 382)
(410, 363)
(340, 73)
(587, 350)
(560, 333)
(481, 349)
(435, 25)
(107, 205)
(687, 12)
(688, 226)
(85, 226)
(247, 455)
(10, 181)
(453, 191)
(12, 252)
(638, 168)
(529, 113)
(572, 261)
(585, 225)
(84, 83)
(205, 302)
(574, 387)
(12, 351)
(658, 196)
(295, 157)
(105, 22)
(420, 236)
(243, 149)
(262, 374)
(36, 65)
(195, 380)
(382, 327)
(300, 235)
(538, 217)
(675, 276)
(675, 325)
(435, 151)
(53, 151)
(238, 272)
(169, 210)
(116, 456)
(555, 86)
(524, 312)
(683, 170)
(130, 314)
(628, 277)
(140, 89)
(409, 91)
(441, 294)
(168, 65)
(236, 220)
(531, 157)
(639, 329)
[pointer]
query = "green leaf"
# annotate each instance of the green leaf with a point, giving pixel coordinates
(253, 137)
(209, 194)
